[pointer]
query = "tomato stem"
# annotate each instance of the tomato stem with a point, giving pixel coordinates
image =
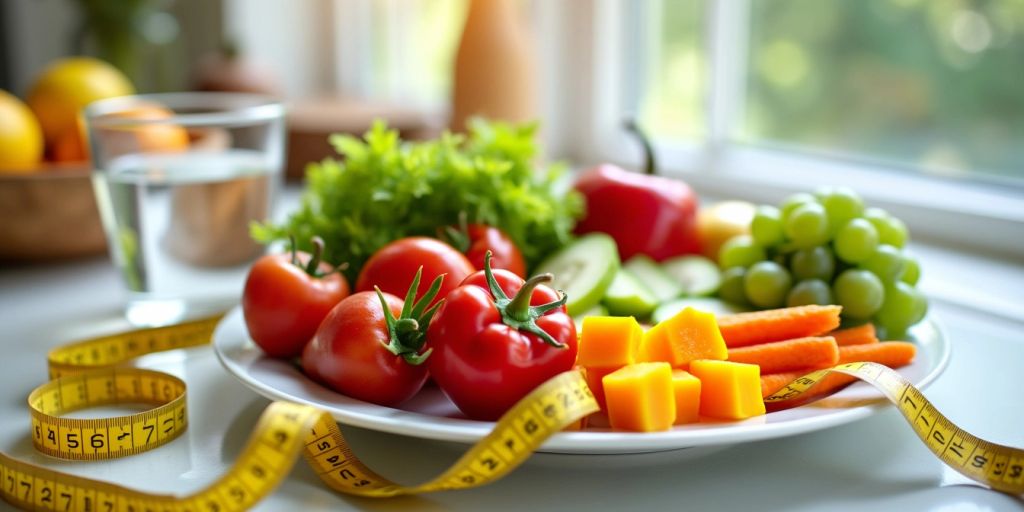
(294, 250)
(457, 236)
(519, 307)
(517, 311)
(407, 333)
(314, 260)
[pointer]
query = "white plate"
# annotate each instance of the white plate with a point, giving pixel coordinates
(431, 415)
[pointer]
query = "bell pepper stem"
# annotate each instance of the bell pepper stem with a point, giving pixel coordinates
(519, 308)
(650, 164)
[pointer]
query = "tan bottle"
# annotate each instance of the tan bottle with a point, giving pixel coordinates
(495, 66)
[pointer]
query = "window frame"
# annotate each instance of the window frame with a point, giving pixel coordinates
(586, 78)
(983, 217)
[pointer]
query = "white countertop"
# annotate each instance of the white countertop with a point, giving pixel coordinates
(876, 463)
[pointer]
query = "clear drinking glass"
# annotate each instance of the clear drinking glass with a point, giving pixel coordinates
(178, 180)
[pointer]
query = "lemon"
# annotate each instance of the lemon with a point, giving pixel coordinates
(66, 87)
(21, 139)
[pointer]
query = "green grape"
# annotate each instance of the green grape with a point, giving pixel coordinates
(731, 289)
(823, 191)
(903, 307)
(856, 241)
(859, 292)
(874, 214)
(766, 284)
(766, 227)
(886, 263)
(878, 218)
(842, 204)
(790, 203)
(911, 270)
(891, 231)
(814, 263)
(810, 291)
(896, 234)
(740, 251)
(807, 225)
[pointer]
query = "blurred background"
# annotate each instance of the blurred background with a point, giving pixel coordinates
(937, 84)
(909, 89)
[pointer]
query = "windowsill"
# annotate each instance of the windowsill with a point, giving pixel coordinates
(976, 219)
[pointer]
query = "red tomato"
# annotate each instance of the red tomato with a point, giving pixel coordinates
(486, 356)
(505, 254)
(393, 267)
(284, 300)
(349, 353)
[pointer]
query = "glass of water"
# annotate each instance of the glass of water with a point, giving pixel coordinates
(178, 179)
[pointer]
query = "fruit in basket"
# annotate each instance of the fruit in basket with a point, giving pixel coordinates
(21, 139)
(496, 338)
(826, 248)
(149, 137)
(285, 298)
(644, 213)
(61, 92)
(371, 345)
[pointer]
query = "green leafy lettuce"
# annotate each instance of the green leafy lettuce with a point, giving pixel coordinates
(384, 189)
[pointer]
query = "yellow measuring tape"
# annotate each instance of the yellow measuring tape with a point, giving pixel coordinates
(997, 466)
(88, 374)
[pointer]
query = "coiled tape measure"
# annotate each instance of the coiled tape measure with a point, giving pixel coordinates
(87, 374)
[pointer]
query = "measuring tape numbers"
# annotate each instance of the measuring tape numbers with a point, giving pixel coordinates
(997, 466)
(92, 373)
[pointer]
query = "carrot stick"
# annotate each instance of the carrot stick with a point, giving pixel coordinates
(789, 355)
(743, 329)
(863, 334)
(893, 354)
(773, 382)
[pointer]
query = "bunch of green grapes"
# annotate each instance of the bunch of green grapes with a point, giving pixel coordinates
(826, 248)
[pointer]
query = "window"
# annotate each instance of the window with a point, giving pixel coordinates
(398, 50)
(917, 104)
(670, 66)
(935, 85)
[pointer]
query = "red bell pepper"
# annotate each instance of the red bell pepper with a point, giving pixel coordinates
(490, 350)
(644, 213)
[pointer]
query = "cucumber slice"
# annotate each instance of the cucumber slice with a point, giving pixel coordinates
(584, 270)
(717, 306)
(627, 296)
(598, 310)
(650, 274)
(698, 275)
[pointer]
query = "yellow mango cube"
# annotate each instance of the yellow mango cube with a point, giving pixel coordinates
(689, 335)
(687, 393)
(608, 341)
(640, 397)
(728, 390)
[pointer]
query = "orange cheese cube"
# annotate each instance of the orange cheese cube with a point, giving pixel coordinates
(690, 334)
(594, 377)
(728, 390)
(608, 341)
(687, 392)
(640, 397)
